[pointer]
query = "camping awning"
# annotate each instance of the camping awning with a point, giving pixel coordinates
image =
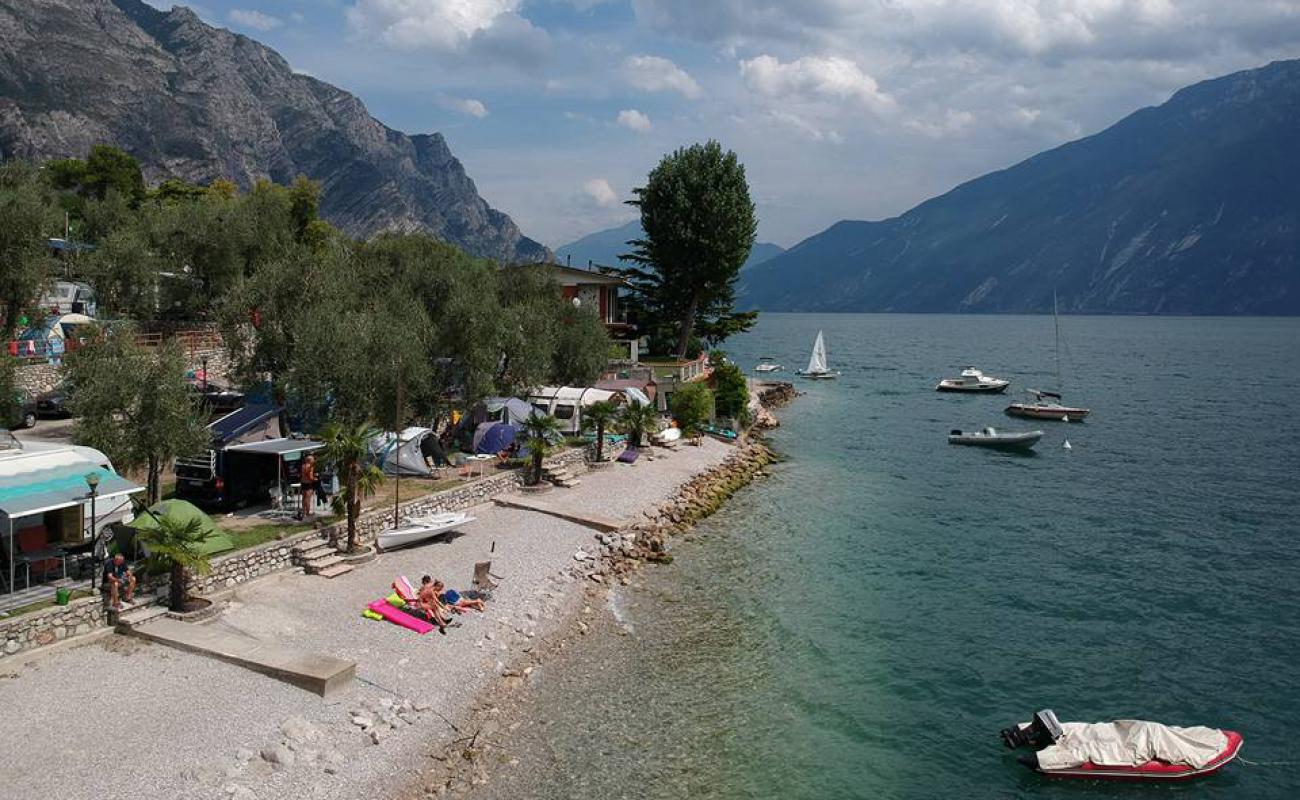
(51, 489)
(278, 447)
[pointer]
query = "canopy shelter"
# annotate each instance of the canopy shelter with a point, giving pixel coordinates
(287, 454)
(49, 507)
(404, 454)
(182, 512)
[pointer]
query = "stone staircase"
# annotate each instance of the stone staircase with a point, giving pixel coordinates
(320, 558)
(560, 476)
(144, 610)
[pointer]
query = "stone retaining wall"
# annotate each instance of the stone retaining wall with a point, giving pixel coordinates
(40, 378)
(50, 625)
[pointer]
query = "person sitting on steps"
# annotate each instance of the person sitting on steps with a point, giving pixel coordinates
(120, 581)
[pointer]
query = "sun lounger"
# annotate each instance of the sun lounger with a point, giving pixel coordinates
(483, 576)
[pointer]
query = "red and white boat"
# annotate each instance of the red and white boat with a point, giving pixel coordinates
(1048, 406)
(1126, 750)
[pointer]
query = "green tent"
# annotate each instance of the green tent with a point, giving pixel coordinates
(218, 540)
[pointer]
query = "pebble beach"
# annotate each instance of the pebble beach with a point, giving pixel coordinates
(114, 716)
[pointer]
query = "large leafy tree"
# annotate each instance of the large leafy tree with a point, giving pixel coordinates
(28, 215)
(692, 406)
(730, 388)
(134, 403)
(699, 227)
(582, 347)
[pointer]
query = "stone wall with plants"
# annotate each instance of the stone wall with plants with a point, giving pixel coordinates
(50, 625)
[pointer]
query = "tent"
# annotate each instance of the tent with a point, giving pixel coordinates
(406, 458)
(493, 437)
(218, 541)
(508, 409)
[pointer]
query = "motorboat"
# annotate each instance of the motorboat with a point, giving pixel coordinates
(818, 369)
(1047, 405)
(1128, 749)
(419, 529)
(991, 437)
(972, 380)
(768, 366)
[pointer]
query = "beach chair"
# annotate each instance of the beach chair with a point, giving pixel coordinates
(483, 576)
(405, 590)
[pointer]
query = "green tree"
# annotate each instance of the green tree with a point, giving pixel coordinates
(600, 417)
(699, 227)
(110, 168)
(178, 545)
(134, 403)
(637, 419)
(730, 389)
(347, 450)
(11, 405)
(28, 215)
(540, 431)
(124, 273)
(692, 406)
(581, 348)
(304, 206)
(529, 328)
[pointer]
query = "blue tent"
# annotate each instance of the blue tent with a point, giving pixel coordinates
(493, 437)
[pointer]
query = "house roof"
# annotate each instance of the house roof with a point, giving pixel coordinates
(573, 276)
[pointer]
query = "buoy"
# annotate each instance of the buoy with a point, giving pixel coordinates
(1067, 445)
(1065, 418)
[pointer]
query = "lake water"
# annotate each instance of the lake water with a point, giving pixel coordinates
(863, 622)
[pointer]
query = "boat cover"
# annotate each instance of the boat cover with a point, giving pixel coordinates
(1131, 743)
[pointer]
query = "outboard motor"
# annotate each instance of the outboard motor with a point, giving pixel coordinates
(1044, 730)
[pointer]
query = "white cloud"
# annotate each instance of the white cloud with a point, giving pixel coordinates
(489, 27)
(813, 76)
(599, 191)
(254, 19)
(655, 74)
(950, 123)
(464, 105)
(633, 120)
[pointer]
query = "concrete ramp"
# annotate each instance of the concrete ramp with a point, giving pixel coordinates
(597, 521)
(323, 675)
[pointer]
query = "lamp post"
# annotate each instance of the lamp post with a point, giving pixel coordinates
(92, 480)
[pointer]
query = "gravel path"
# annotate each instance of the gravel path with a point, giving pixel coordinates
(121, 718)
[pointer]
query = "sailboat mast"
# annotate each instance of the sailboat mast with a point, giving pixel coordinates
(397, 436)
(1056, 319)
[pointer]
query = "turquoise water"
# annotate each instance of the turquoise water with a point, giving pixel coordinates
(862, 623)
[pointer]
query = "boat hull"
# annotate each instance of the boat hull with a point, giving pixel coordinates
(819, 376)
(1152, 770)
(974, 388)
(419, 531)
(1049, 413)
(1006, 441)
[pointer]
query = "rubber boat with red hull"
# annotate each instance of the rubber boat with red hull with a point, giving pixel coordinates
(1124, 750)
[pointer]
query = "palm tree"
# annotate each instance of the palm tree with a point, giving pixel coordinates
(347, 448)
(540, 430)
(178, 545)
(602, 417)
(638, 419)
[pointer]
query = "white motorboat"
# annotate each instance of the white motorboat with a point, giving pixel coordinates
(991, 437)
(972, 380)
(818, 369)
(768, 366)
(419, 529)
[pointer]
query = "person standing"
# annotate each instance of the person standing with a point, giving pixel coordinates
(308, 483)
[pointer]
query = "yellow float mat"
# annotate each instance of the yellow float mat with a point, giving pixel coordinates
(395, 601)
(368, 614)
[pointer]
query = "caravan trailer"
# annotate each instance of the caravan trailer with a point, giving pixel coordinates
(565, 403)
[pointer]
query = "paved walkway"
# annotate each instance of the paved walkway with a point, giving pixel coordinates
(599, 522)
(323, 675)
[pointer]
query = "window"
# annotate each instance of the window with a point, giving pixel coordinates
(563, 412)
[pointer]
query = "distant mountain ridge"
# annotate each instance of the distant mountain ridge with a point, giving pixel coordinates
(604, 248)
(197, 103)
(1191, 207)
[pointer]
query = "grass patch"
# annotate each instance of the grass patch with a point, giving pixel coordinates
(245, 538)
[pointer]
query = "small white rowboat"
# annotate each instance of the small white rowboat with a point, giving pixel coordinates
(419, 529)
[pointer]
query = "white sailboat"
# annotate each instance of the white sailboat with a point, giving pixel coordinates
(1048, 405)
(817, 366)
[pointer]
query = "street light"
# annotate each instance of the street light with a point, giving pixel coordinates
(92, 480)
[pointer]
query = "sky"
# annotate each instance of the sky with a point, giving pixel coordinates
(839, 109)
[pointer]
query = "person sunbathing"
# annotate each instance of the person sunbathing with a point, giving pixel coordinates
(431, 604)
(456, 601)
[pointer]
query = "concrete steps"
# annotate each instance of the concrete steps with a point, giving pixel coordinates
(138, 615)
(319, 557)
(314, 566)
(561, 477)
(335, 571)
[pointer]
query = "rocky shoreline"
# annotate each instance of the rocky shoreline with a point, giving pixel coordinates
(456, 768)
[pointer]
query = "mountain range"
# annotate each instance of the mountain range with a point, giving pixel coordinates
(1191, 207)
(605, 247)
(197, 103)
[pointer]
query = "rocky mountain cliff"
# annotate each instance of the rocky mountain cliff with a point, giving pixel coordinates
(604, 248)
(197, 103)
(1192, 207)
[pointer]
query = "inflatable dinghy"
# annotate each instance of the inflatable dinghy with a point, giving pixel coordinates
(1128, 750)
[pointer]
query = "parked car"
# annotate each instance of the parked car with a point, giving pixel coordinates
(25, 408)
(54, 403)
